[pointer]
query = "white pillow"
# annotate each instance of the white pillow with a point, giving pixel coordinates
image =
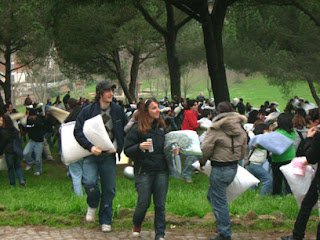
(241, 183)
(3, 163)
(299, 184)
(95, 132)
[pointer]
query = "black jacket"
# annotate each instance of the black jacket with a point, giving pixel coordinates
(7, 136)
(35, 128)
(146, 161)
(312, 146)
(119, 120)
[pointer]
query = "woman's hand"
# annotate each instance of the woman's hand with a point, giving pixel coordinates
(145, 146)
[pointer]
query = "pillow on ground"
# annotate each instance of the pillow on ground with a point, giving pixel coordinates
(241, 183)
(299, 184)
(94, 131)
(273, 142)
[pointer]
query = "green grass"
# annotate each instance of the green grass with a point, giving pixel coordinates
(49, 200)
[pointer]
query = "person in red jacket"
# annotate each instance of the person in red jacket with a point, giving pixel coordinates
(190, 122)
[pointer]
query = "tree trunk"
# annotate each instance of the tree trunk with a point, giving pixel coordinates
(119, 74)
(212, 32)
(313, 91)
(134, 71)
(7, 83)
(173, 60)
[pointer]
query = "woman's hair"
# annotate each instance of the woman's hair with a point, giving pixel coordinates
(259, 128)
(143, 117)
(7, 122)
(73, 103)
(224, 107)
(190, 103)
(313, 115)
(298, 121)
(301, 112)
(285, 122)
(253, 116)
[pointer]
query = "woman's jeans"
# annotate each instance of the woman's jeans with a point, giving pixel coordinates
(104, 166)
(220, 179)
(76, 172)
(14, 165)
(188, 166)
(278, 178)
(262, 174)
(36, 148)
(155, 184)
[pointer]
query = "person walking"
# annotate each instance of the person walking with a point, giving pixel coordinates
(224, 145)
(101, 164)
(312, 152)
(190, 122)
(9, 134)
(145, 145)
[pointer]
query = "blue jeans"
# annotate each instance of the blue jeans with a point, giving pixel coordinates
(76, 172)
(265, 178)
(220, 178)
(35, 148)
(104, 166)
(14, 165)
(48, 136)
(188, 166)
(147, 184)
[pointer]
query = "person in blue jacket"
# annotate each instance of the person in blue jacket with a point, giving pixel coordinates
(101, 164)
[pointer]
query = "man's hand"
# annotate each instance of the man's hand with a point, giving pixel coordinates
(312, 131)
(96, 150)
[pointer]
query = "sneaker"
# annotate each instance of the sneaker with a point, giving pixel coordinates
(28, 167)
(188, 180)
(23, 184)
(106, 228)
(220, 238)
(37, 173)
(136, 231)
(161, 239)
(291, 237)
(91, 214)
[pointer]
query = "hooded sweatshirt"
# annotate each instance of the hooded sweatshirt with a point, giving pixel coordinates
(226, 140)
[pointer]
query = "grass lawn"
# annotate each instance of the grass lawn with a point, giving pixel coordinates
(49, 200)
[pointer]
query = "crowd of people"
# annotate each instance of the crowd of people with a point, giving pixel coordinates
(139, 130)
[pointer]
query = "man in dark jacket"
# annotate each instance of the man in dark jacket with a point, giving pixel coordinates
(101, 164)
(36, 131)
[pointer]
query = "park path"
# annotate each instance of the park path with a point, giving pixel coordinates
(76, 233)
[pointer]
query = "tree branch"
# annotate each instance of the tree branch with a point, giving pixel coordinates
(306, 11)
(186, 10)
(183, 22)
(24, 64)
(150, 20)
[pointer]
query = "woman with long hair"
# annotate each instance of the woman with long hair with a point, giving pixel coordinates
(144, 143)
(285, 127)
(7, 135)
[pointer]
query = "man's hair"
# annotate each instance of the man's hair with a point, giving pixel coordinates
(224, 107)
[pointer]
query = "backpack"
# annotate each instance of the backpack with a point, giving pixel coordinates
(301, 147)
(17, 147)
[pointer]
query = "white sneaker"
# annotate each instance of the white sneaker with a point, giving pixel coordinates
(106, 228)
(37, 173)
(161, 239)
(136, 234)
(91, 214)
(28, 167)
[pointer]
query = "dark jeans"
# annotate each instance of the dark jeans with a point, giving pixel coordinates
(307, 204)
(155, 184)
(104, 166)
(278, 178)
(14, 165)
